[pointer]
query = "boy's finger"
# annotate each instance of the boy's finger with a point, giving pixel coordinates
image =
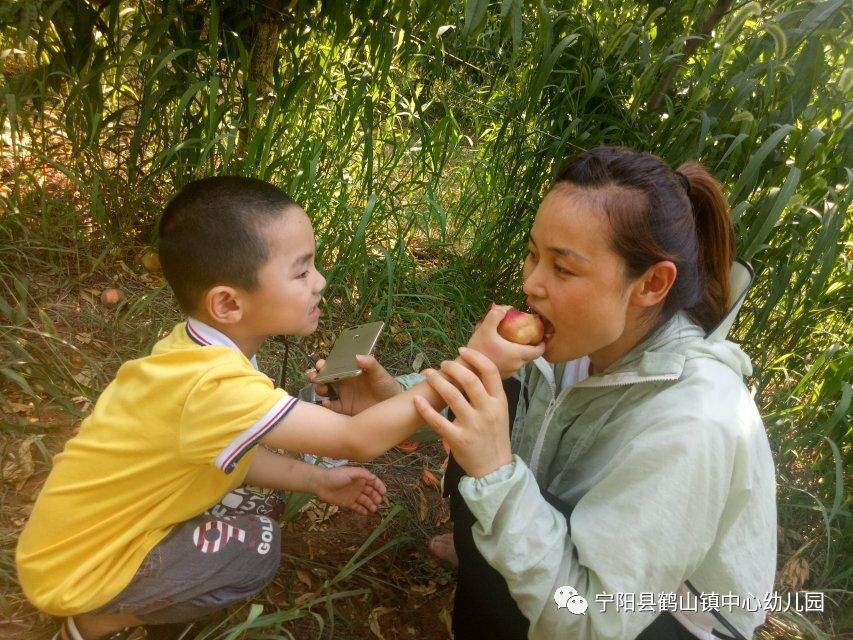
(490, 377)
(365, 502)
(379, 486)
(441, 425)
(373, 501)
(360, 473)
(371, 494)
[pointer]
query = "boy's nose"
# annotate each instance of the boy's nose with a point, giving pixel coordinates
(321, 283)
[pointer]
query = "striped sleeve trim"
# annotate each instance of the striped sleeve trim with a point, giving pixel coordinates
(231, 455)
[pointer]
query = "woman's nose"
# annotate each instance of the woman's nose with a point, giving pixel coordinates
(532, 284)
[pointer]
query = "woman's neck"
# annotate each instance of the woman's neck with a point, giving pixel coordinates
(636, 331)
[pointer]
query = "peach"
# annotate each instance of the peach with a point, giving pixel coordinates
(521, 328)
(111, 297)
(151, 261)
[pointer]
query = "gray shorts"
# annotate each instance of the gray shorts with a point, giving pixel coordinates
(223, 556)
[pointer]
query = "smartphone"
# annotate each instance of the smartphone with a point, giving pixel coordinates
(341, 364)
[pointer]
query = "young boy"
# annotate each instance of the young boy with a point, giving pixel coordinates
(142, 519)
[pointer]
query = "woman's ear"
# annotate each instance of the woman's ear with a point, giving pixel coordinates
(652, 287)
(223, 304)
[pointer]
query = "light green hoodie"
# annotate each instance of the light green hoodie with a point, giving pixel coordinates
(666, 461)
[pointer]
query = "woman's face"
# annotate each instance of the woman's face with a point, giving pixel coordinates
(572, 277)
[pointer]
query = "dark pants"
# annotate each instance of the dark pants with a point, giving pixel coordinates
(483, 607)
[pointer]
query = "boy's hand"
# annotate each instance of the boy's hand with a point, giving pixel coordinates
(508, 356)
(351, 487)
(356, 394)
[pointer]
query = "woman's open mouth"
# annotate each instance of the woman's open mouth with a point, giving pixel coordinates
(549, 327)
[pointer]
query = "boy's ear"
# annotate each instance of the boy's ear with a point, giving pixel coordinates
(653, 286)
(223, 304)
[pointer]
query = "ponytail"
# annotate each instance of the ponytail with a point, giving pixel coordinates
(716, 242)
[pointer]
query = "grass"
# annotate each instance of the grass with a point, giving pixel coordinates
(421, 153)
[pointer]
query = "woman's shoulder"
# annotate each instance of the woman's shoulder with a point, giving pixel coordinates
(710, 398)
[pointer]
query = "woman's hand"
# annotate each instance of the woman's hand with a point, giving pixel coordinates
(356, 394)
(351, 487)
(479, 436)
(508, 356)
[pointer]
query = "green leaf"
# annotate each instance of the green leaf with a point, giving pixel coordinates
(747, 182)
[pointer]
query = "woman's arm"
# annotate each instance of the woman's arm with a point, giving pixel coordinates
(643, 528)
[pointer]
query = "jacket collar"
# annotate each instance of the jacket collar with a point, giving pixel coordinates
(206, 336)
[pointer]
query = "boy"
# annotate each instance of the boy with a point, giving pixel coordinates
(141, 521)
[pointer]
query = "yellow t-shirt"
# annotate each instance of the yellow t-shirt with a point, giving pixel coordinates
(168, 438)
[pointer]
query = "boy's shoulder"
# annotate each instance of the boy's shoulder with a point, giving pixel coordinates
(185, 354)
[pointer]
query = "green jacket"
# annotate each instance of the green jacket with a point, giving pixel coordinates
(666, 462)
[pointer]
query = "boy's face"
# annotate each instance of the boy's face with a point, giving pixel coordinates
(289, 286)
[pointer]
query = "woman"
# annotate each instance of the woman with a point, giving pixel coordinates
(635, 469)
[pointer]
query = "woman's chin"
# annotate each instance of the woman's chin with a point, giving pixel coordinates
(556, 353)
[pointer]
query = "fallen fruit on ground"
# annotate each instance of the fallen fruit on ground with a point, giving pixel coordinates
(111, 297)
(522, 328)
(151, 261)
(408, 446)
(429, 479)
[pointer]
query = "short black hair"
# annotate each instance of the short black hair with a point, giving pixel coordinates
(210, 233)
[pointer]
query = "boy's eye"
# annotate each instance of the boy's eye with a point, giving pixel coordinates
(304, 274)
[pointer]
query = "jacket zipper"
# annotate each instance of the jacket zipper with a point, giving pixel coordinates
(615, 380)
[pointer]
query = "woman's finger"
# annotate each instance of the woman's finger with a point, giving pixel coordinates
(451, 395)
(529, 352)
(467, 379)
(490, 377)
(441, 425)
(494, 316)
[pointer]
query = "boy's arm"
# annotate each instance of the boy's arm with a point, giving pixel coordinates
(352, 487)
(274, 471)
(314, 429)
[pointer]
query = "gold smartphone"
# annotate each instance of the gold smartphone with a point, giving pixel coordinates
(341, 364)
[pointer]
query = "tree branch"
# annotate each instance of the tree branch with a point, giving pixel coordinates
(691, 45)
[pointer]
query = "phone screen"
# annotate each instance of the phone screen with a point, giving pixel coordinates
(359, 340)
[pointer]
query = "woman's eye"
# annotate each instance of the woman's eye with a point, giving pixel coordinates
(562, 271)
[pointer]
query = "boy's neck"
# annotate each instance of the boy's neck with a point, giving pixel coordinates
(248, 343)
